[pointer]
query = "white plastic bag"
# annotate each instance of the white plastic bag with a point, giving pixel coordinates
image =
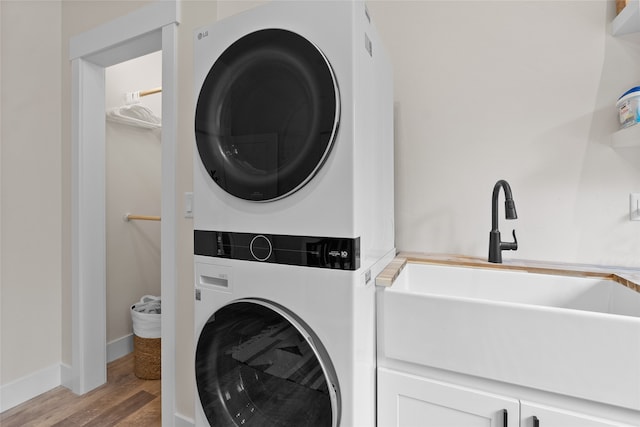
(145, 315)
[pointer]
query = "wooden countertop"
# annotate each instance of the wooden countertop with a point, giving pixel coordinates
(629, 278)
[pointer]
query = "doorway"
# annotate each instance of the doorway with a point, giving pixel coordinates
(146, 30)
(133, 92)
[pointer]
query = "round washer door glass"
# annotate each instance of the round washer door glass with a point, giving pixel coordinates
(257, 366)
(267, 115)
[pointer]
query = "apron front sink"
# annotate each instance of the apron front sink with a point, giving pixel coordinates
(577, 336)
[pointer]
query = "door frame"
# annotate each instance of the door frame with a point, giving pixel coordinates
(145, 30)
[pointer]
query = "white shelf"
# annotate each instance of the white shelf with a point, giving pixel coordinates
(627, 137)
(628, 20)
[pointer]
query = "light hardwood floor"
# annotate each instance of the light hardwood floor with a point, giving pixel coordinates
(124, 401)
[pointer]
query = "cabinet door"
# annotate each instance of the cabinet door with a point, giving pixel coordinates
(406, 400)
(536, 415)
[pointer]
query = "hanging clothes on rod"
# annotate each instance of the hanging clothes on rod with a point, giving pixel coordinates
(135, 114)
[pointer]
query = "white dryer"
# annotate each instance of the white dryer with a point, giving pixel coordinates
(294, 128)
(280, 345)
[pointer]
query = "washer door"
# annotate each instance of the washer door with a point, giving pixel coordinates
(267, 115)
(257, 365)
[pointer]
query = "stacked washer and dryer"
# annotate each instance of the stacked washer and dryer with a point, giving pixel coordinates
(293, 218)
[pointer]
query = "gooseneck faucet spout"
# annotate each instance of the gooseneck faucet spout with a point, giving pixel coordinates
(495, 245)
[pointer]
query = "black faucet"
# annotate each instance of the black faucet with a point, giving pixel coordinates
(495, 245)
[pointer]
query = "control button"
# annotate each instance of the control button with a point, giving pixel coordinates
(260, 247)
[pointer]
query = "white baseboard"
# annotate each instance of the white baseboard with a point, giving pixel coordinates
(29, 386)
(182, 421)
(66, 375)
(119, 347)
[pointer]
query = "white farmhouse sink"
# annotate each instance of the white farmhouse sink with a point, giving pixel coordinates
(571, 335)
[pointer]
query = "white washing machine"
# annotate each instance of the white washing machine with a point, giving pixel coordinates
(281, 345)
(293, 214)
(294, 128)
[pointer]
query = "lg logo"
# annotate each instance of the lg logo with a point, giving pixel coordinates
(203, 35)
(341, 254)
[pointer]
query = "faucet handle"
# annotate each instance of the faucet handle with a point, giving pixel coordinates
(510, 246)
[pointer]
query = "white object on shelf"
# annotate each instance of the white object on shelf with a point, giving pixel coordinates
(135, 115)
(629, 107)
(628, 20)
(626, 137)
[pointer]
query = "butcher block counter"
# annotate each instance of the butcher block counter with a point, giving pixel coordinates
(624, 276)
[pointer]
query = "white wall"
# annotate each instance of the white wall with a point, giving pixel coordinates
(1, 375)
(30, 213)
(520, 90)
(133, 178)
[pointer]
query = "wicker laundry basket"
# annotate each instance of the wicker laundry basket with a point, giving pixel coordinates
(146, 337)
(146, 352)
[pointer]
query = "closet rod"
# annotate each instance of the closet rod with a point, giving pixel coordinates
(129, 217)
(150, 91)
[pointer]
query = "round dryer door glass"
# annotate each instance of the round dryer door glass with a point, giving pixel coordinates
(267, 115)
(258, 366)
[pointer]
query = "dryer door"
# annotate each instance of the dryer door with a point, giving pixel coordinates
(257, 365)
(267, 115)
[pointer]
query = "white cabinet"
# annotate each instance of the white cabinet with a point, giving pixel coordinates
(406, 400)
(536, 415)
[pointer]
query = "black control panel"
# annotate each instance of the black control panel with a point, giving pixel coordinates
(323, 252)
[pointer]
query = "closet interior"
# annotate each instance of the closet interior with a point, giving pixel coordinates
(133, 193)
